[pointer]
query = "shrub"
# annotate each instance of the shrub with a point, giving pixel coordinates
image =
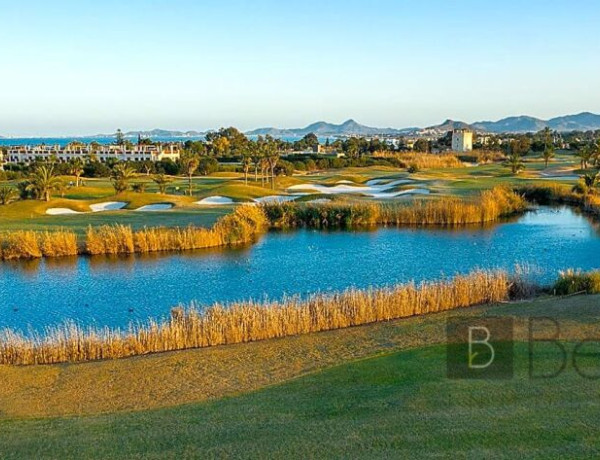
(576, 281)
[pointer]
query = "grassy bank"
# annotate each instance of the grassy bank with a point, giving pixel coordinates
(489, 206)
(399, 405)
(249, 321)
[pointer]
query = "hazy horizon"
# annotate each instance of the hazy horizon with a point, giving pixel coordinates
(214, 128)
(73, 68)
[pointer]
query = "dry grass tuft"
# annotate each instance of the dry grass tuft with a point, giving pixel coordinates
(30, 244)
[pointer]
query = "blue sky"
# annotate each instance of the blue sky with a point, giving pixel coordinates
(80, 67)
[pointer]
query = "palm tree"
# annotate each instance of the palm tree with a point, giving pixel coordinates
(548, 154)
(586, 154)
(190, 163)
(273, 159)
(120, 177)
(264, 165)
(162, 182)
(43, 181)
(76, 169)
(256, 160)
(7, 194)
(246, 164)
(515, 162)
(590, 182)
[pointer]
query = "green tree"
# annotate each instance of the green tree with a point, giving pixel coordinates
(590, 183)
(549, 151)
(76, 169)
(43, 181)
(120, 177)
(515, 162)
(162, 182)
(120, 138)
(421, 145)
(139, 187)
(246, 165)
(190, 163)
(7, 194)
(208, 166)
(586, 155)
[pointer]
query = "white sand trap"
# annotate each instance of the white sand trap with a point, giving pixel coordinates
(345, 182)
(61, 211)
(275, 199)
(214, 201)
(373, 188)
(107, 206)
(155, 207)
(318, 201)
(411, 191)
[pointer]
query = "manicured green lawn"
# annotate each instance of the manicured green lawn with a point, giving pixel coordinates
(395, 406)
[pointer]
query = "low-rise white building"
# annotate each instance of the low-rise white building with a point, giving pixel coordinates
(28, 154)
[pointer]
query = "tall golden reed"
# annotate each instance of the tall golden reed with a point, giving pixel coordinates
(251, 321)
(241, 226)
(489, 206)
(25, 244)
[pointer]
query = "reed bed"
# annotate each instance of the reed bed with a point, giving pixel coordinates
(30, 244)
(242, 226)
(425, 160)
(223, 324)
(549, 194)
(489, 206)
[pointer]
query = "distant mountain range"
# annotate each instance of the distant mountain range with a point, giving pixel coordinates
(521, 124)
(584, 121)
(321, 128)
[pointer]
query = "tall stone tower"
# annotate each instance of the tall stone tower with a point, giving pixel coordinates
(462, 140)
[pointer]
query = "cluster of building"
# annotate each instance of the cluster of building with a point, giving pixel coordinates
(27, 154)
(462, 141)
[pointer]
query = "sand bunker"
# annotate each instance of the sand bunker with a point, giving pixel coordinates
(155, 207)
(373, 188)
(61, 211)
(275, 199)
(214, 201)
(411, 191)
(107, 206)
(318, 201)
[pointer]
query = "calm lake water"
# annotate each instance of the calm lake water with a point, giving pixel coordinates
(115, 291)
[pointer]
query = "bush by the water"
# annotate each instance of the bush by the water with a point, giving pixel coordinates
(577, 282)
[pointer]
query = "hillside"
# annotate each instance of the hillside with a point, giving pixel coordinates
(515, 124)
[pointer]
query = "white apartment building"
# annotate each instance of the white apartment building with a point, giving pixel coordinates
(462, 140)
(27, 154)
